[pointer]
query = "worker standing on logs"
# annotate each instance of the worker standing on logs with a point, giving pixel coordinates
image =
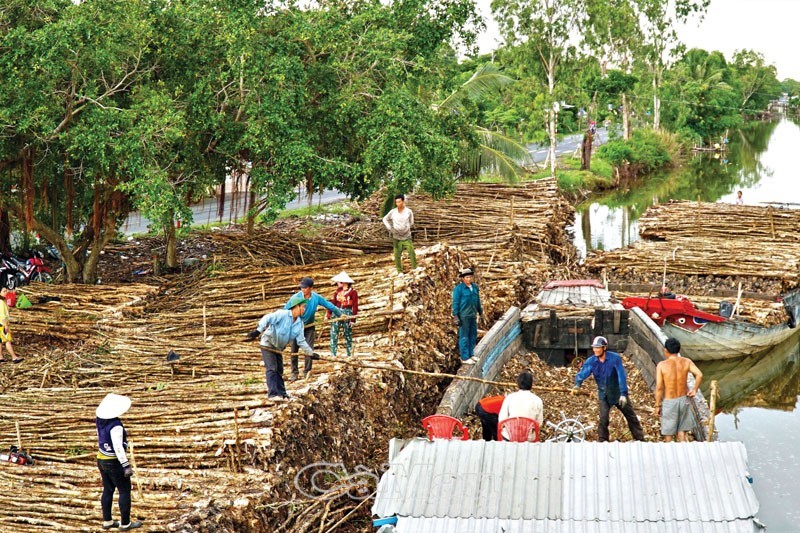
(313, 300)
(276, 331)
(112, 460)
(345, 298)
(612, 388)
(399, 222)
(466, 309)
(671, 374)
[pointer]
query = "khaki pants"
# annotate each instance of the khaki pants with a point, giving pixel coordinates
(399, 246)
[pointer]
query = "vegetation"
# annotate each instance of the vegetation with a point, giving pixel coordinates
(108, 107)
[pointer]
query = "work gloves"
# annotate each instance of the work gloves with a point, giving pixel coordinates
(623, 401)
(127, 471)
(315, 356)
(456, 321)
(253, 335)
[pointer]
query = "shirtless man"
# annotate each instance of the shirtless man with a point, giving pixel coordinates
(671, 374)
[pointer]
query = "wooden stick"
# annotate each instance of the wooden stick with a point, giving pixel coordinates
(205, 328)
(133, 464)
(19, 439)
(712, 407)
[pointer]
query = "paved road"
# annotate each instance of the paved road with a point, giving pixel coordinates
(567, 145)
(205, 212)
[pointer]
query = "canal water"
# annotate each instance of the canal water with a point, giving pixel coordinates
(760, 398)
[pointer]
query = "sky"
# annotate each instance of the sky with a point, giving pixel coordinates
(766, 26)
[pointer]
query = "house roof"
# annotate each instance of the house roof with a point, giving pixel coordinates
(646, 483)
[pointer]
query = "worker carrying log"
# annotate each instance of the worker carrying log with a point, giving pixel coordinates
(276, 330)
(313, 300)
(612, 388)
(466, 309)
(112, 460)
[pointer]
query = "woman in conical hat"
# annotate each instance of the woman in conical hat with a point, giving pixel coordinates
(345, 298)
(112, 460)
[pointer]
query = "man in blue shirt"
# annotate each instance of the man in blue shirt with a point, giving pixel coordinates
(276, 331)
(466, 308)
(612, 388)
(314, 301)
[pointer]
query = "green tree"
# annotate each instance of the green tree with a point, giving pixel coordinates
(658, 20)
(547, 29)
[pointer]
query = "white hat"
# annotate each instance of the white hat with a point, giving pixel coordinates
(113, 406)
(342, 277)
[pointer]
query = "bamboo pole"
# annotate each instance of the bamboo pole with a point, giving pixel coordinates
(136, 471)
(712, 407)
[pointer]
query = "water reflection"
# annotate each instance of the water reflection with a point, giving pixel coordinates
(771, 380)
(760, 161)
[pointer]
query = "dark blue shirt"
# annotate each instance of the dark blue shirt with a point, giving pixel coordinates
(314, 301)
(609, 376)
(466, 302)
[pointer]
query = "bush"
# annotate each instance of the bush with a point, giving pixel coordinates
(646, 150)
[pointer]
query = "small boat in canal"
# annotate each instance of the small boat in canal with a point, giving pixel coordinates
(709, 337)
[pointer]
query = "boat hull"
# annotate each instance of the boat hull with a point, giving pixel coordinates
(717, 341)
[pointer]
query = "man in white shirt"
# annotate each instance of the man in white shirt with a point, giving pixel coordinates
(522, 403)
(399, 221)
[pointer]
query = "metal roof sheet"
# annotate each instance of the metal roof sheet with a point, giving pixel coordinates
(498, 525)
(591, 481)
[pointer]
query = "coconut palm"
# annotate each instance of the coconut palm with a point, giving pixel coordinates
(496, 151)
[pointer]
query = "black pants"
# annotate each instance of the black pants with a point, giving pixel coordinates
(310, 334)
(114, 478)
(630, 416)
(273, 362)
(488, 422)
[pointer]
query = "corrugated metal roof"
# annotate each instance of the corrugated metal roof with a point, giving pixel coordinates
(497, 525)
(602, 482)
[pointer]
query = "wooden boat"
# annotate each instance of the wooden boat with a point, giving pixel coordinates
(708, 337)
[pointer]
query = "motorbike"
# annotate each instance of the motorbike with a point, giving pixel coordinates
(10, 275)
(15, 272)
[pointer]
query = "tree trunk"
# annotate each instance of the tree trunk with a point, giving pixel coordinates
(5, 232)
(172, 244)
(626, 118)
(586, 150)
(251, 213)
(656, 105)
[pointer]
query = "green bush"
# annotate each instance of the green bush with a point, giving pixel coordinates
(645, 150)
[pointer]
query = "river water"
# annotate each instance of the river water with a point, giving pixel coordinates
(760, 399)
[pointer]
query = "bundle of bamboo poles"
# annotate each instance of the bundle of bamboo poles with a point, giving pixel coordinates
(691, 256)
(719, 221)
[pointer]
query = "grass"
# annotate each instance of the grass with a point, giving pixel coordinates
(570, 177)
(336, 208)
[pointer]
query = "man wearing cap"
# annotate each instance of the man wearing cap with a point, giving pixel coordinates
(399, 221)
(313, 300)
(466, 308)
(612, 388)
(345, 298)
(115, 470)
(276, 331)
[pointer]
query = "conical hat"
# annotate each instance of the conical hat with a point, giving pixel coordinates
(342, 277)
(113, 406)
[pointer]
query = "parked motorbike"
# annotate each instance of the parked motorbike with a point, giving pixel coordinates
(10, 276)
(32, 269)
(15, 272)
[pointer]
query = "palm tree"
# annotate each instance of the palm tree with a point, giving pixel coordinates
(496, 151)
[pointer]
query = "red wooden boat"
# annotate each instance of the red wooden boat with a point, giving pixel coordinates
(678, 311)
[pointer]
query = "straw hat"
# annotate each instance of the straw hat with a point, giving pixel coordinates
(342, 277)
(113, 406)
